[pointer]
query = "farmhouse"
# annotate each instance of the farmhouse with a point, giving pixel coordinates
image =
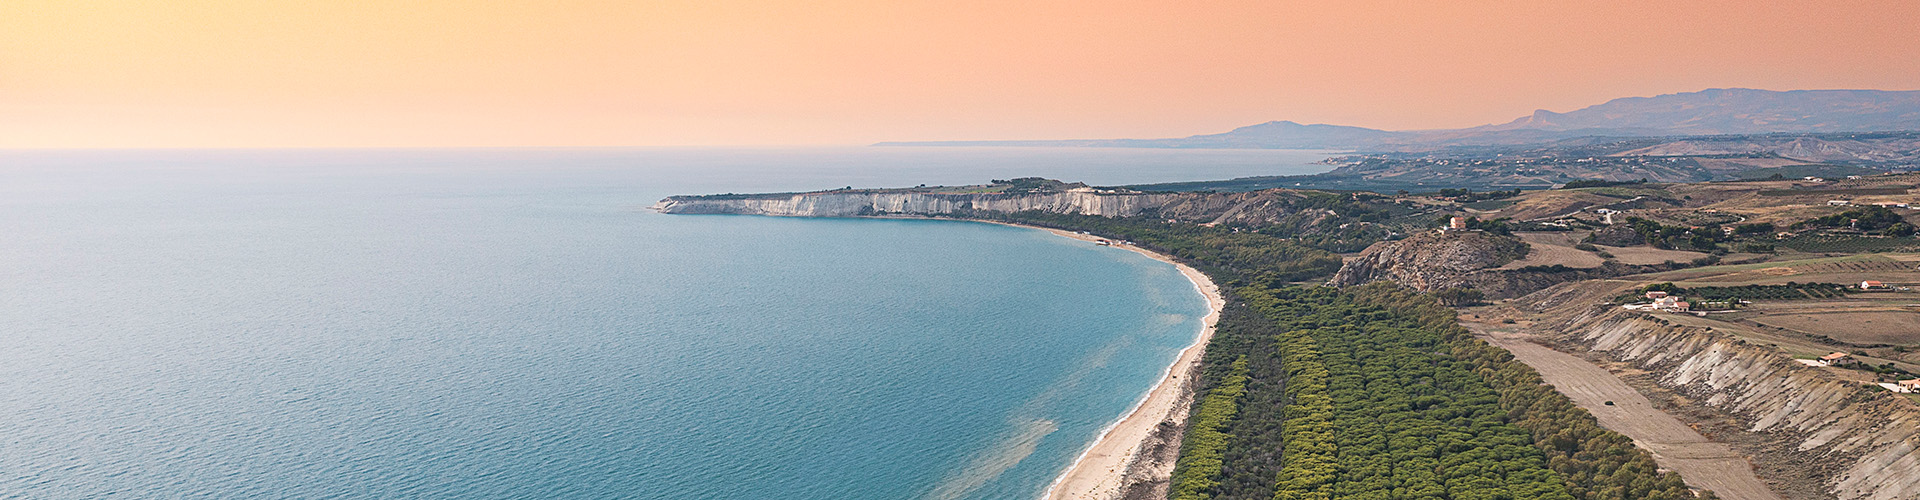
(1656, 294)
(1911, 385)
(1838, 359)
(1672, 304)
(1872, 285)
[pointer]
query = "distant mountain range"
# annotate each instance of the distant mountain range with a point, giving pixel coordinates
(1707, 112)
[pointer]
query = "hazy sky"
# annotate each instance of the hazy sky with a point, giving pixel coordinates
(252, 73)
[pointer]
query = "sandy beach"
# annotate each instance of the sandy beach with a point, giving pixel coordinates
(1105, 469)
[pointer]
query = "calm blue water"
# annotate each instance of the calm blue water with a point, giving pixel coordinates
(512, 324)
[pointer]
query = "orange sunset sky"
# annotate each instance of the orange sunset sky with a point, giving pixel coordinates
(263, 73)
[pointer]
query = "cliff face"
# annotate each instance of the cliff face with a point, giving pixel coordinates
(1868, 443)
(1261, 208)
(850, 204)
(1332, 221)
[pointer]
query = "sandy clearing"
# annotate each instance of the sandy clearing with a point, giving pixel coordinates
(1101, 472)
(1701, 462)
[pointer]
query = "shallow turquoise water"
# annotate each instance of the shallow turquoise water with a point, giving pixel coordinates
(511, 324)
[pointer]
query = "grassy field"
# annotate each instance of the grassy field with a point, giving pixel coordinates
(1556, 255)
(1489, 204)
(1892, 268)
(1550, 248)
(1848, 244)
(1562, 238)
(1838, 193)
(1900, 327)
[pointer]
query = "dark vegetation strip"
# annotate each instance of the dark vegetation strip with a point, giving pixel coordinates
(1381, 409)
(1206, 441)
(1253, 455)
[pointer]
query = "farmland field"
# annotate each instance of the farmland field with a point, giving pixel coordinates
(1562, 238)
(1858, 327)
(1848, 244)
(1850, 270)
(1552, 255)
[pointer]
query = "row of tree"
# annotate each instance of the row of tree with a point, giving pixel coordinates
(1789, 291)
(1595, 463)
(1381, 410)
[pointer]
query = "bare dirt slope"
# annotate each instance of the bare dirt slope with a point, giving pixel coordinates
(1812, 433)
(1703, 463)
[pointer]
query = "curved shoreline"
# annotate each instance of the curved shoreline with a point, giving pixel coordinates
(1112, 464)
(1134, 456)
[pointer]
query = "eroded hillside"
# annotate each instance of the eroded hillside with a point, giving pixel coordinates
(1861, 443)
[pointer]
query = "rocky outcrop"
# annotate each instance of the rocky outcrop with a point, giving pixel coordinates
(1432, 260)
(1866, 442)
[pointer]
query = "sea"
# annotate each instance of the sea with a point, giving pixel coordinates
(515, 324)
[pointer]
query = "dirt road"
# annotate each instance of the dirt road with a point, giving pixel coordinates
(1703, 463)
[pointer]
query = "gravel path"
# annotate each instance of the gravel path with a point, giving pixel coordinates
(1701, 462)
